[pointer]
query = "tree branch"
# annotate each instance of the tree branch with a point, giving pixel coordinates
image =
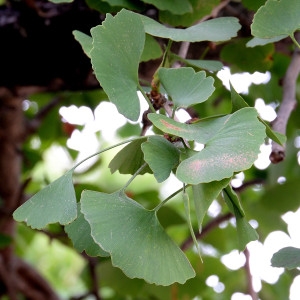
(184, 47)
(206, 229)
(287, 105)
(250, 289)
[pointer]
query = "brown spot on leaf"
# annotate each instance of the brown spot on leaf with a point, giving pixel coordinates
(170, 126)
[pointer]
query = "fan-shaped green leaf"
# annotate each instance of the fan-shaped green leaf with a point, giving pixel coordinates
(246, 233)
(261, 42)
(231, 143)
(85, 41)
(215, 30)
(54, 203)
(134, 5)
(204, 194)
(133, 236)
(185, 86)
(200, 131)
(200, 9)
(210, 65)
(238, 102)
(288, 257)
(152, 49)
(117, 48)
(232, 148)
(276, 18)
(129, 159)
(233, 201)
(177, 7)
(79, 231)
(161, 156)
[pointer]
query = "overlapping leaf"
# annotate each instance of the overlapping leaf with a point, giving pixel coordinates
(54, 203)
(276, 18)
(231, 143)
(200, 9)
(117, 48)
(85, 41)
(161, 155)
(176, 6)
(215, 30)
(238, 102)
(134, 238)
(204, 194)
(210, 65)
(185, 86)
(129, 159)
(288, 257)
(79, 231)
(152, 49)
(246, 233)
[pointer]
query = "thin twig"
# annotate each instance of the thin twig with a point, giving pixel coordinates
(250, 289)
(206, 229)
(288, 104)
(247, 184)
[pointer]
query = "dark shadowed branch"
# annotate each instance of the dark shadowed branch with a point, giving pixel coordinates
(206, 229)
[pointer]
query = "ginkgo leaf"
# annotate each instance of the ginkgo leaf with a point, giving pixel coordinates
(210, 65)
(129, 159)
(117, 48)
(55, 203)
(85, 41)
(79, 231)
(161, 156)
(199, 132)
(238, 102)
(233, 201)
(215, 30)
(245, 232)
(152, 49)
(185, 86)
(134, 238)
(232, 144)
(177, 7)
(276, 18)
(261, 42)
(288, 257)
(204, 194)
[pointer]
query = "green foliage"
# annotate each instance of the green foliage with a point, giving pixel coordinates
(276, 18)
(223, 137)
(161, 156)
(143, 249)
(177, 82)
(55, 203)
(288, 257)
(137, 232)
(215, 30)
(125, 38)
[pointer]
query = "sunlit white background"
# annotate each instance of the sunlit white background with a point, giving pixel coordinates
(108, 120)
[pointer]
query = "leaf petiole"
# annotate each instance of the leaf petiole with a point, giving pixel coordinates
(106, 149)
(294, 40)
(161, 204)
(144, 165)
